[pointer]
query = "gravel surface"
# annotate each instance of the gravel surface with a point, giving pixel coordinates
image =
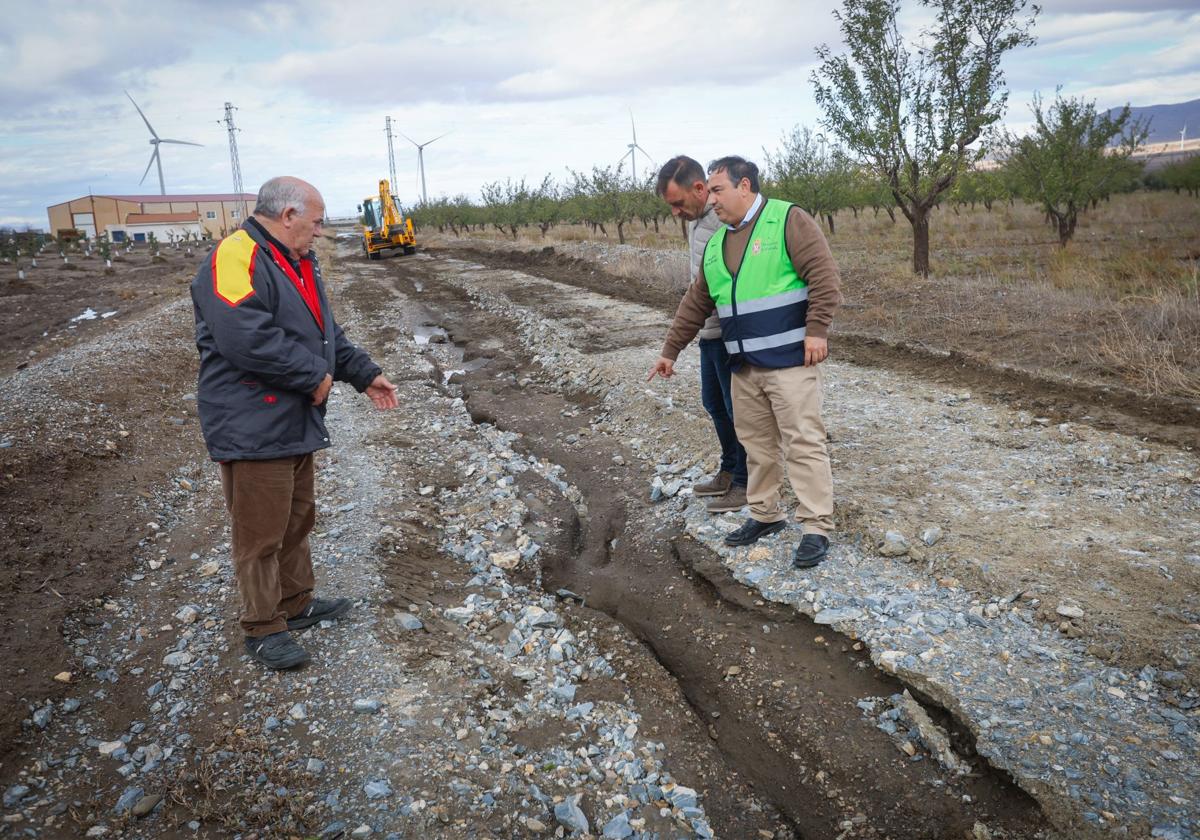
(460, 699)
(1098, 745)
(456, 700)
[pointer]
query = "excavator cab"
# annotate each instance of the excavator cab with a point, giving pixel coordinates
(384, 226)
(370, 219)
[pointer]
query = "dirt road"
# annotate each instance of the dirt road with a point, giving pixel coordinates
(573, 638)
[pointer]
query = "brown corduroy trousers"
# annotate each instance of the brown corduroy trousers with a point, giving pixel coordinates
(272, 506)
(777, 416)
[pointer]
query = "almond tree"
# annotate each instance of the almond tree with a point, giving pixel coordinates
(811, 173)
(507, 205)
(545, 205)
(606, 198)
(914, 113)
(1070, 160)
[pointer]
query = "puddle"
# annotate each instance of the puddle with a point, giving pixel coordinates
(430, 334)
(464, 369)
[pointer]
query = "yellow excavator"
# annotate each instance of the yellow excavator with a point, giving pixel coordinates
(384, 226)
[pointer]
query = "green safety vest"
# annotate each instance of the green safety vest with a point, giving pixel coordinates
(763, 306)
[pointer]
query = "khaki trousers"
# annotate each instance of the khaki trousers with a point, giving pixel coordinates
(777, 415)
(272, 507)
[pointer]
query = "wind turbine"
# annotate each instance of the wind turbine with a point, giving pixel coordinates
(421, 159)
(634, 148)
(1182, 134)
(155, 140)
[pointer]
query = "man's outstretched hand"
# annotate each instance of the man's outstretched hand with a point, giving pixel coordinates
(382, 393)
(664, 367)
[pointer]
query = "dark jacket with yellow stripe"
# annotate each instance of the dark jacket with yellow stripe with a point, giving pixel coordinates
(263, 352)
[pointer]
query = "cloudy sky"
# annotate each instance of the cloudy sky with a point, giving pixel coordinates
(525, 88)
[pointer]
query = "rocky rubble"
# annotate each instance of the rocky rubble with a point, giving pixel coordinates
(481, 704)
(1100, 746)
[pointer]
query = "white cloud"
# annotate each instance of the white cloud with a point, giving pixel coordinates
(536, 52)
(526, 87)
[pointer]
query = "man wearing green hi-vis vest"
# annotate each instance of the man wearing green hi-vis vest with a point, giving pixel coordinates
(770, 275)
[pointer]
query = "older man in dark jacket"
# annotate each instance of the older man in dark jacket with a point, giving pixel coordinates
(269, 353)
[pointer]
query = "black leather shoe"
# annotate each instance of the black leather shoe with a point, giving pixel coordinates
(277, 651)
(752, 531)
(811, 551)
(320, 609)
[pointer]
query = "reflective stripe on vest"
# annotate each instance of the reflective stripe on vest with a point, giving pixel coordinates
(763, 306)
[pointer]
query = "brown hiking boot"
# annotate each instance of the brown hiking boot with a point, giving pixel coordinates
(734, 499)
(718, 485)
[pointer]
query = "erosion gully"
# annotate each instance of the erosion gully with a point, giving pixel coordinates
(775, 691)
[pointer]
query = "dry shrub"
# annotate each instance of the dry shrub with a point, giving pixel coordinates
(663, 271)
(220, 786)
(1155, 345)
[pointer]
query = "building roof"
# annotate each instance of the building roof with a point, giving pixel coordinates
(249, 198)
(162, 199)
(160, 218)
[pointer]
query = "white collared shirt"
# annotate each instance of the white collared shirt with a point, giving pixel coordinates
(758, 202)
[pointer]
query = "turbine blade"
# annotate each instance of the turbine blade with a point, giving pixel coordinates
(409, 139)
(439, 137)
(633, 126)
(153, 155)
(143, 116)
(180, 142)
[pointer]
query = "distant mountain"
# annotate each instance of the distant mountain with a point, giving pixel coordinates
(1166, 121)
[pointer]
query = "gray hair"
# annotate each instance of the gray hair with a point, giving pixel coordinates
(278, 194)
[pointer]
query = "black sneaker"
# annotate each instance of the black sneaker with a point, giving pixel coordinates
(320, 609)
(752, 531)
(277, 651)
(810, 552)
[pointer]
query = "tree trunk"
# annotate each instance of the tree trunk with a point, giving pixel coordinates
(513, 228)
(602, 230)
(891, 214)
(920, 226)
(1065, 223)
(829, 223)
(656, 224)
(621, 232)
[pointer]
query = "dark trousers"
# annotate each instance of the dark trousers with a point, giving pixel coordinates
(717, 396)
(272, 506)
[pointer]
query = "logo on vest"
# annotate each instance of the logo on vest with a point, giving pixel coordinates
(757, 247)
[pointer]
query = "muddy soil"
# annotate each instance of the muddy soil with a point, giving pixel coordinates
(74, 486)
(48, 310)
(78, 480)
(775, 692)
